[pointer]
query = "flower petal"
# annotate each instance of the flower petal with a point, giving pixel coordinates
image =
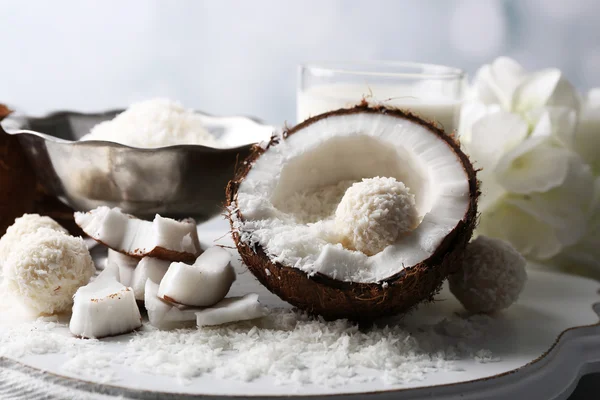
(491, 190)
(483, 86)
(534, 166)
(565, 208)
(531, 237)
(494, 134)
(545, 88)
(507, 74)
(587, 135)
(495, 83)
(557, 122)
(586, 252)
(593, 98)
(470, 113)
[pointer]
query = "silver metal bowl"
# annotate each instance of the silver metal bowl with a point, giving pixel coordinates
(183, 180)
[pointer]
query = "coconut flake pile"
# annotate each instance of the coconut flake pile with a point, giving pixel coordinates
(288, 347)
(154, 123)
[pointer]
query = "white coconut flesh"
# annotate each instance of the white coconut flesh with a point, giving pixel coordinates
(135, 237)
(164, 315)
(203, 284)
(148, 268)
(104, 308)
(232, 309)
(126, 266)
(289, 197)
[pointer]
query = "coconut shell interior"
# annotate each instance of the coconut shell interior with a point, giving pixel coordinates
(363, 302)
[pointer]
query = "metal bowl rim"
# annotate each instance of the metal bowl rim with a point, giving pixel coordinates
(105, 143)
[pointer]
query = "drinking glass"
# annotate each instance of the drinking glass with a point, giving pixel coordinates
(433, 92)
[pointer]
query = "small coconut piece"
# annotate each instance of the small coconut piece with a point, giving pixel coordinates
(162, 238)
(104, 308)
(491, 277)
(24, 225)
(232, 309)
(164, 315)
(125, 264)
(46, 269)
(202, 284)
(149, 268)
(374, 212)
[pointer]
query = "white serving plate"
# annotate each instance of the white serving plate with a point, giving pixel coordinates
(545, 343)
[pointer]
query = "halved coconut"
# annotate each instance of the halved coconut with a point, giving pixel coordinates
(162, 238)
(286, 198)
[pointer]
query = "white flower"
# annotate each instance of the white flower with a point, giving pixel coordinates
(587, 136)
(505, 83)
(525, 133)
(541, 224)
(496, 83)
(586, 252)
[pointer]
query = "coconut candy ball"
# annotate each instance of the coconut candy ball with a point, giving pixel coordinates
(374, 212)
(28, 223)
(45, 270)
(491, 277)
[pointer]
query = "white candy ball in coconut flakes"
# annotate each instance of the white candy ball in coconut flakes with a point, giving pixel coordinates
(491, 277)
(28, 223)
(45, 270)
(374, 213)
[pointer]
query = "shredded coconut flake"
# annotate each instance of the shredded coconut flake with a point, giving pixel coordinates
(154, 123)
(288, 347)
(316, 204)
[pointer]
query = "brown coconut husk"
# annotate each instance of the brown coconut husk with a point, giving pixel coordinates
(332, 299)
(17, 178)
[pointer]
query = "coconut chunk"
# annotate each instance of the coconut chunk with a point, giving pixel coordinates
(125, 264)
(111, 269)
(202, 284)
(148, 268)
(162, 238)
(164, 315)
(491, 277)
(232, 309)
(104, 308)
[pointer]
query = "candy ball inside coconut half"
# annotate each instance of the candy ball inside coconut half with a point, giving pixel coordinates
(356, 213)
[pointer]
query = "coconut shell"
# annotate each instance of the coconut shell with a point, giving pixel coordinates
(17, 178)
(364, 302)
